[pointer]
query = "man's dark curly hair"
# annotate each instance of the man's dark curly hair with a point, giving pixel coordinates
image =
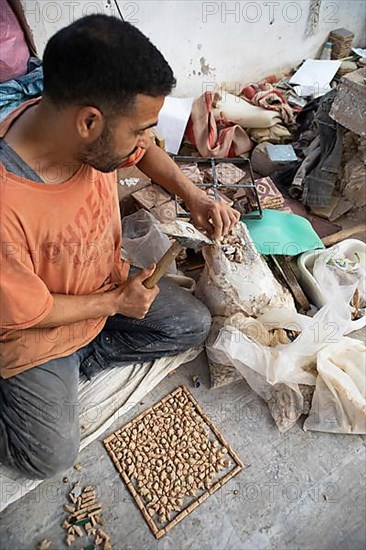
(103, 62)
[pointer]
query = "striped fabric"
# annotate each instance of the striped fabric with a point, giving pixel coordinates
(266, 96)
(213, 139)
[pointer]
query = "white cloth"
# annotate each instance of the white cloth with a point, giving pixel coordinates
(105, 399)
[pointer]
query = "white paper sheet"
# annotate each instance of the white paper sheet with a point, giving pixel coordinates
(359, 51)
(314, 77)
(173, 120)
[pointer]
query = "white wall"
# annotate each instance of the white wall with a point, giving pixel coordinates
(210, 42)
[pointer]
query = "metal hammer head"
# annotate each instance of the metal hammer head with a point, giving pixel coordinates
(186, 234)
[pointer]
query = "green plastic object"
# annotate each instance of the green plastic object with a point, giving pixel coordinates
(283, 234)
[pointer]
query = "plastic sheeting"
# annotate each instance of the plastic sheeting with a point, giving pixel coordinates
(284, 375)
(17, 91)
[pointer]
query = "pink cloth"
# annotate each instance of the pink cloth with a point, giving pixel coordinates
(211, 139)
(14, 52)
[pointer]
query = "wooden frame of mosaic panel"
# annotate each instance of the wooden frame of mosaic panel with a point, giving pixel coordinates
(186, 423)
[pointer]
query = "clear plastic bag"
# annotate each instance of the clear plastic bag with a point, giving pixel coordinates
(220, 374)
(339, 277)
(283, 374)
(339, 402)
(142, 241)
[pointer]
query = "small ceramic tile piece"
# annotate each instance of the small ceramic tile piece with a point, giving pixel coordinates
(233, 247)
(125, 178)
(167, 212)
(227, 173)
(281, 153)
(126, 191)
(151, 196)
(84, 516)
(192, 172)
(269, 196)
(172, 458)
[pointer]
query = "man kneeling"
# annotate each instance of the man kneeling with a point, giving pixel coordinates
(67, 302)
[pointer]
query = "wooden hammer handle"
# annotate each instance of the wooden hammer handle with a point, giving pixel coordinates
(163, 264)
(344, 234)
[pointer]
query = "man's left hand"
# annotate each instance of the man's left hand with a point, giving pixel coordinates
(215, 216)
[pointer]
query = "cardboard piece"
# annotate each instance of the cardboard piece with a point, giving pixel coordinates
(325, 211)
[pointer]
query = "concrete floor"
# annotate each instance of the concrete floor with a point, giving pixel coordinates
(298, 490)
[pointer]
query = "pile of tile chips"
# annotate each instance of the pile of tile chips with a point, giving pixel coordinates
(84, 517)
(172, 458)
(233, 247)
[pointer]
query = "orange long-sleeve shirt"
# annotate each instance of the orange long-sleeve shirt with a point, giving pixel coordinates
(55, 239)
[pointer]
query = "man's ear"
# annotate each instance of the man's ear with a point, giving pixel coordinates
(89, 123)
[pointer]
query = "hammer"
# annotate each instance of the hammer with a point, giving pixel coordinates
(186, 236)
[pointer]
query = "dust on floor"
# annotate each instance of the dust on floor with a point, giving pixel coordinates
(298, 490)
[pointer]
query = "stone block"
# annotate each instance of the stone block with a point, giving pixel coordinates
(348, 108)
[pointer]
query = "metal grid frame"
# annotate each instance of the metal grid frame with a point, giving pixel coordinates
(216, 186)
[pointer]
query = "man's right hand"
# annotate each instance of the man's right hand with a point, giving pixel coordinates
(133, 298)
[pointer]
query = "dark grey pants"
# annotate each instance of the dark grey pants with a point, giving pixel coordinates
(39, 423)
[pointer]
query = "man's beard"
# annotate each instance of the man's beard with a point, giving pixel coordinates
(99, 153)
